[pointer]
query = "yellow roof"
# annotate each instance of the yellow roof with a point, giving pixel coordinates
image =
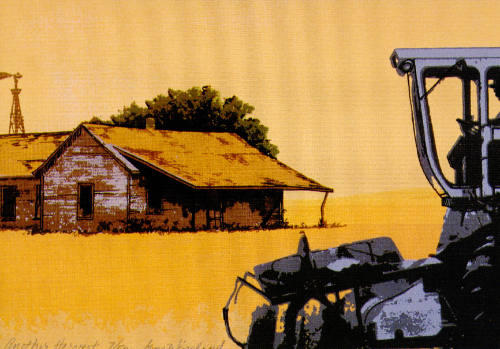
(21, 154)
(203, 159)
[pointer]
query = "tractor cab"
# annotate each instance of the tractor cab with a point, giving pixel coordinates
(468, 80)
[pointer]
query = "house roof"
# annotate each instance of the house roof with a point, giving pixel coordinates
(203, 159)
(23, 153)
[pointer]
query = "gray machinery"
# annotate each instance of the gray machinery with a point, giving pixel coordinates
(366, 294)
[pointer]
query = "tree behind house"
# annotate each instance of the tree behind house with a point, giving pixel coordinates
(197, 110)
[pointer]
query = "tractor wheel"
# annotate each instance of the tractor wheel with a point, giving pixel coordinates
(480, 286)
(336, 332)
(263, 328)
(327, 329)
(290, 324)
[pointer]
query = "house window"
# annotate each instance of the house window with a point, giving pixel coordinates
(38, 200)
(85, 200)
(215, 217)
(8, 202)
(153, 201)
(215, 211)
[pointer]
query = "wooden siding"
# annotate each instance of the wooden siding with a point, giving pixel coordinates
(241, 215)
(200, 219)
(253, 208)
(85, 161)
(137, 198)
(25, 190)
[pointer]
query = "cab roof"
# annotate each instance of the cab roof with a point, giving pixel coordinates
(446, 53)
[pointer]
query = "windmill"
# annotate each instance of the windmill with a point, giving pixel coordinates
(16, 117)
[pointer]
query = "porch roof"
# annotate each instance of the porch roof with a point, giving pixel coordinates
(216, 160)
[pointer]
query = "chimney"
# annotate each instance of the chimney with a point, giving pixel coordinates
(150, 124)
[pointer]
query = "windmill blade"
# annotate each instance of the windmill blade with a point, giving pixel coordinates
(4, 75)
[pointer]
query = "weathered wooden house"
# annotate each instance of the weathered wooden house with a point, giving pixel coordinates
(102, 177)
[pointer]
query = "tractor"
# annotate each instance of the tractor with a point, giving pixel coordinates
(364, 294)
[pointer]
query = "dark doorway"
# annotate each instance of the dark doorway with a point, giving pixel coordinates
(8, 201)
(85, 200)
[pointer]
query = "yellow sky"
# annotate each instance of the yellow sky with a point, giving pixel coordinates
(317, 72)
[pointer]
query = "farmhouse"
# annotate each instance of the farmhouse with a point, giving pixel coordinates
(101, 177)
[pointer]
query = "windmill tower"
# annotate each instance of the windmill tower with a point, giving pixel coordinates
(16, 124)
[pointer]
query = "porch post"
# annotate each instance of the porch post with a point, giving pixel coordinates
(322, 221)
(193, 213)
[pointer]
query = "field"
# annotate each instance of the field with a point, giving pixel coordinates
(67, 291)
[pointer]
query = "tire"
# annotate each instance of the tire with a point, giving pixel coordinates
(290, 324)
(336, 332)
(480, 285)
(263, 328)
(327, 329)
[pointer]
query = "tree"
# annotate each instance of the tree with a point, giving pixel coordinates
(197, 110)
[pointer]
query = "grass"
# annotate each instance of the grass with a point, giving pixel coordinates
(169, 289)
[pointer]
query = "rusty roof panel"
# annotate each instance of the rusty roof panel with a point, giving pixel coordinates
(22, 153)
